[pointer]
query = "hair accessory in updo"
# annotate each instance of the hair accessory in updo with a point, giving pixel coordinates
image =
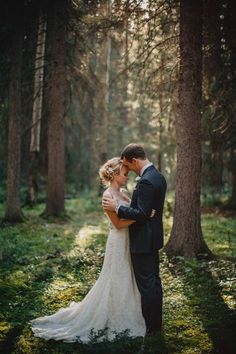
(109, 169)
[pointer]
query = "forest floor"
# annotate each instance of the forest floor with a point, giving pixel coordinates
(46, 264)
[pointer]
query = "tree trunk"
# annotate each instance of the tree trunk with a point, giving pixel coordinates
(213, 84)
(13, 209)
(160, 118)
(123, 124)
(57, 105)
(37, 111)
(186, 235)
(104, 97)
(232, 169)
(230, 37)
(217, 166)
(101, 101)
(103, 72)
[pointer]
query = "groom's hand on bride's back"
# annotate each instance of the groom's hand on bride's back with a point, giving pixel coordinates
(109, 203)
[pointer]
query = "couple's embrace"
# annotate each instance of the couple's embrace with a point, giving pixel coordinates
(128, 294)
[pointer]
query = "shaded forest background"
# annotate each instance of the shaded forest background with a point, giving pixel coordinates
(81, 79)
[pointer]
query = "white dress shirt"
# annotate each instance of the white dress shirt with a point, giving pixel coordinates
(145, 167)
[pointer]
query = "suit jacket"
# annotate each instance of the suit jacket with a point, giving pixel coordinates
(146, 234)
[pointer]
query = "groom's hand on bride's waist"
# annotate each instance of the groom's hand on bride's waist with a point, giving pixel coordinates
(109, 203)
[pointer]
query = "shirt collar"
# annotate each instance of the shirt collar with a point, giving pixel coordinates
(145, 167)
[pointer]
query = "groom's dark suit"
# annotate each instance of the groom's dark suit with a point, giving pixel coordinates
(146, 238)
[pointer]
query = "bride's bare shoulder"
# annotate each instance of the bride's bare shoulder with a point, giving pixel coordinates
(107, 193)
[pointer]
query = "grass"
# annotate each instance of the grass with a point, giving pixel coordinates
(46, 264)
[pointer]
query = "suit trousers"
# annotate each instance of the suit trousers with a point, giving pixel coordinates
(146, 270)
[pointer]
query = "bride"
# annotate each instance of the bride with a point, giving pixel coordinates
(114, 303)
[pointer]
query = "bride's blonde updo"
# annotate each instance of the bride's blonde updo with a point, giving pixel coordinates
(109, 169)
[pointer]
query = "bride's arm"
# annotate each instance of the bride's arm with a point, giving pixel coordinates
(116, 221)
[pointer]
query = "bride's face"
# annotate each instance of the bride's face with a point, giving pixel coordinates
(122, 177)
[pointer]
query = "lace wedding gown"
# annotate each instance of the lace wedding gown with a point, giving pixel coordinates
(113, 303)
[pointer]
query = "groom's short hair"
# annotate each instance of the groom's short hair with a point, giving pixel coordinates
(133, 151)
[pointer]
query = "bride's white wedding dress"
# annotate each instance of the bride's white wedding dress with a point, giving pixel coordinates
(113, 303)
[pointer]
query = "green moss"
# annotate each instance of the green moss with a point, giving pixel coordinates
(5, 328)
(219, 232)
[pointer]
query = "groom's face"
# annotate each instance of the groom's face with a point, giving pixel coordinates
(131, 165)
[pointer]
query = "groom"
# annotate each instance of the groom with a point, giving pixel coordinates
(146, 235)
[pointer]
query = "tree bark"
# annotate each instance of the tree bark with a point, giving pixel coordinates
(232, 168)
(13, 209)
(217, 166)
(57, 104)
(186, 235)
(213, 85)
(99, 146)
(230, 37)
(160, 119)
(37, 111)
(122, 127)
(103, 71)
